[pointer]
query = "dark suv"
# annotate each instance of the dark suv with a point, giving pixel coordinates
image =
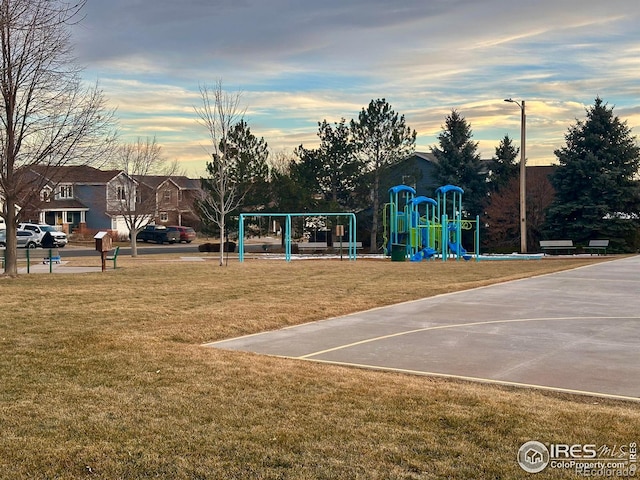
(187, 234)
(158, 233)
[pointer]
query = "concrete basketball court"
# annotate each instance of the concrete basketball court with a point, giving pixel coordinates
(576, 331)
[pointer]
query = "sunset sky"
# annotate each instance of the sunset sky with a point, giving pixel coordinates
(299, 62)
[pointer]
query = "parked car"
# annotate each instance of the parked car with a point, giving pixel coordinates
(187, 234)
(39, 230)
(159, 234)
(26, 239)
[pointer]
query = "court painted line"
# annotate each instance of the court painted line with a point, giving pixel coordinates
(385, 307)
(472, 379)
(458, 325)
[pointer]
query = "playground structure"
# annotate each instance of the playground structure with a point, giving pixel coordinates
(421, 228)
(287, 225)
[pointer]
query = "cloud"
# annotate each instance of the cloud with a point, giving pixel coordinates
(300, 63)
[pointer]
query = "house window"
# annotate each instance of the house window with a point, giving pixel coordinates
(121, 193)
(167, 195)
(164, 217)
(45, 195)
(66, 192)
(409, 180)
(179, 195)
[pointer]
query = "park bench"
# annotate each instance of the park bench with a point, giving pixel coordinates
(597, 246)
(323, 247)
(312, 247)
(114, 256)
(557, 246)
(345, 245)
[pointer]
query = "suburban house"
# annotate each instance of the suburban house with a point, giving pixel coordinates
(174, 198)
(83, 199)
(417, 171)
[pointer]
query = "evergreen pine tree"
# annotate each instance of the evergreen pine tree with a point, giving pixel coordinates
(338, 167)
(382, 138)
(459, 163)
(505, 166)
(250, 170)
(597, 195)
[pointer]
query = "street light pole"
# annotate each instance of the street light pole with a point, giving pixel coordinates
(523, 175)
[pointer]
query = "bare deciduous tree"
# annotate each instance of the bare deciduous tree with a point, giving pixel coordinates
(48, 118)
(503, 211)
(219, 112)
(129, 196)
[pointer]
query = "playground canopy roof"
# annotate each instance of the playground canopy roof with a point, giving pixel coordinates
(449, 188)
(402, 188)
(423, 199)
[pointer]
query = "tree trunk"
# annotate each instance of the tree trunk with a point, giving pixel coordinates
(11, 261)
(376, 206)
(223, 213)
(222, 229)
(134, 243)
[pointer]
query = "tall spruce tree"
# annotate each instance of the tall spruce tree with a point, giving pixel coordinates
(596, 191)
(505, 165)
(250, 170)
(337, 167)
(502, 211)
(382, 138)
(305, 171)
(459, 163)
(341, 168)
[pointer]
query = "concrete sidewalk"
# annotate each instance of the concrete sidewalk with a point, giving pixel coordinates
(576, 331)
(62, 267)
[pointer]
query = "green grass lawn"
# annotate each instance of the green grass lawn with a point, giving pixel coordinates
(103, 376)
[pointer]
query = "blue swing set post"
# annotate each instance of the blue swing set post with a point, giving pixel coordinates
(351, 247)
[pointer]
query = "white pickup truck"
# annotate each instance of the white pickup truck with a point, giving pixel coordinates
(59, 238)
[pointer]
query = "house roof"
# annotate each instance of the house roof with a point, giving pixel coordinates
(542, 169)
(84, 174)
(428, 156)
(187, 183)
(151, 181)
(485, 164)
(63, 205)
(180, 181)
(75, 174)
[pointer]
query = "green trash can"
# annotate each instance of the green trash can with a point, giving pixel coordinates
(398, 252)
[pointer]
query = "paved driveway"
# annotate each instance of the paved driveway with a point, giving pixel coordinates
(575, 331)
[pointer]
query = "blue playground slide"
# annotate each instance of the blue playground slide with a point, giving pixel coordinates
(423, 254)
(456, 247)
